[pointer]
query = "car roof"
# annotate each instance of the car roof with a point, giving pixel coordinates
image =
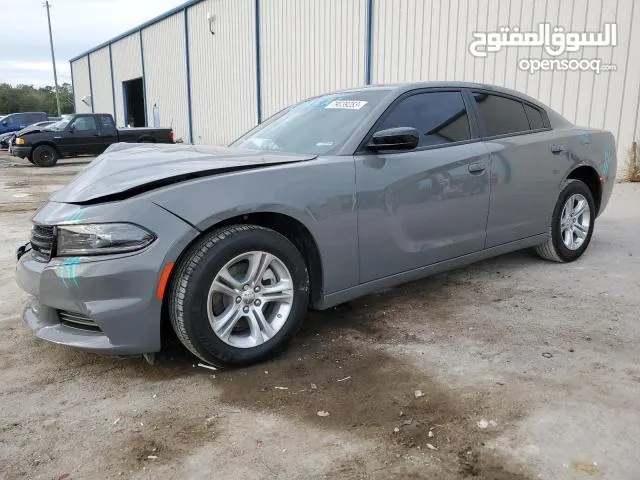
(400, 88)
(408, 86)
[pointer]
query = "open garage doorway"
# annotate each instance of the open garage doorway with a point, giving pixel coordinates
(134, 111)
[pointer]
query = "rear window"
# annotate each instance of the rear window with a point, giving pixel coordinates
(501, 115)
(35, 117)
(535, 117)
(106, 121)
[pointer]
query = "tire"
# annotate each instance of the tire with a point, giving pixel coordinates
(44, 156)
(556, 247)
(196, 304)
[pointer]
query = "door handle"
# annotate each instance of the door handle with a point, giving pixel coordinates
(557, 149)
(477, 167)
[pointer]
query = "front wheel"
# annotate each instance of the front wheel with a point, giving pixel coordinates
(571, 225)
(239, 295)
(44, 156)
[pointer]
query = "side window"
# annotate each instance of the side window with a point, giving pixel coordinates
(501, 115)
(34, 117)
(12, 120)
(83, 124)
(106, 122)
(440, 117)
(535, 117)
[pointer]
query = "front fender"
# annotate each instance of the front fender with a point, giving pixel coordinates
(320, 194)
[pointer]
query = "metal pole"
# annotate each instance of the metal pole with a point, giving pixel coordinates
(53, 58)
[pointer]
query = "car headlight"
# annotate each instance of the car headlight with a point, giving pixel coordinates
(101, 239)
(20, 141)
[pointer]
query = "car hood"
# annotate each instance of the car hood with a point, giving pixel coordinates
(24, 131)
(127, 169)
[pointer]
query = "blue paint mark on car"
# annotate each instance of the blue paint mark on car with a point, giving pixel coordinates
(74, 217)
(69, 271)
(606, 161)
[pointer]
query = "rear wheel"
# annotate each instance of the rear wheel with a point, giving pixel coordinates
(571, 225)
(239, 295)
(44, 156)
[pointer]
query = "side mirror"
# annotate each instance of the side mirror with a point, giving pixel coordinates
(4, 122)
(72, 129)
(400, 138)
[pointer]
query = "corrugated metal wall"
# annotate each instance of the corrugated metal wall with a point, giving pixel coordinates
(165, 70)
(429, 40)
(127, 64)
(81, 85)
(223, 78)
(309, 47)
(312, 46)
(101, 82)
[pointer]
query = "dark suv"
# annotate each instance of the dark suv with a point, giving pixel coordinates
(17, 121)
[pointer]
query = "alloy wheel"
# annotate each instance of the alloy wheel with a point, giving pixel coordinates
(250, 299)
(575, 221)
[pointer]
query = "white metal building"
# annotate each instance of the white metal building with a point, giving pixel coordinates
(214, 68)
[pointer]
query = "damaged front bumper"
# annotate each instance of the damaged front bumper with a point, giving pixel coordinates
(106, 303)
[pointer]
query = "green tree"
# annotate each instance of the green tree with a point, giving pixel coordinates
(27, 98)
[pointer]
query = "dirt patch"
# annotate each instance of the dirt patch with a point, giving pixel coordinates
(371, 394)
(170, 434)
(339, 363)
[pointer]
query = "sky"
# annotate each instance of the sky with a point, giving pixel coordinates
(78, 25)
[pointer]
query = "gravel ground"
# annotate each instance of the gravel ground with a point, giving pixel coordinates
(512, 368)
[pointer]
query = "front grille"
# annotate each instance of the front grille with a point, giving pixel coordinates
(77, 320)
(42, 241)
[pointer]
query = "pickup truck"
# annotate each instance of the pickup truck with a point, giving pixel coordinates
(80, 134)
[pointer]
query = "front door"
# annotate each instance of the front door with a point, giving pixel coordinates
(81, 136)
(420, 207)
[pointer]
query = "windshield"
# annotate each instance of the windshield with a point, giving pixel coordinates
(61, 125)
(316, 126)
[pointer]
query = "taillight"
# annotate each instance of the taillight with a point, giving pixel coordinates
(171, 136)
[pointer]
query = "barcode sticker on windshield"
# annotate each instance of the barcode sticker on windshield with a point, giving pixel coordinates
(347, 104)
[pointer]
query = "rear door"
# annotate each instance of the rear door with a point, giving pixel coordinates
(108, 133)
(35, 118)
(525, 173)
(22, 120)
(430, 204)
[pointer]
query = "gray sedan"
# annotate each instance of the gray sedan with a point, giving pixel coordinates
(332, 198)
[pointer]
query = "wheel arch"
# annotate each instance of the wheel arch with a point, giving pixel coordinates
(291, 228)
(591, 178)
